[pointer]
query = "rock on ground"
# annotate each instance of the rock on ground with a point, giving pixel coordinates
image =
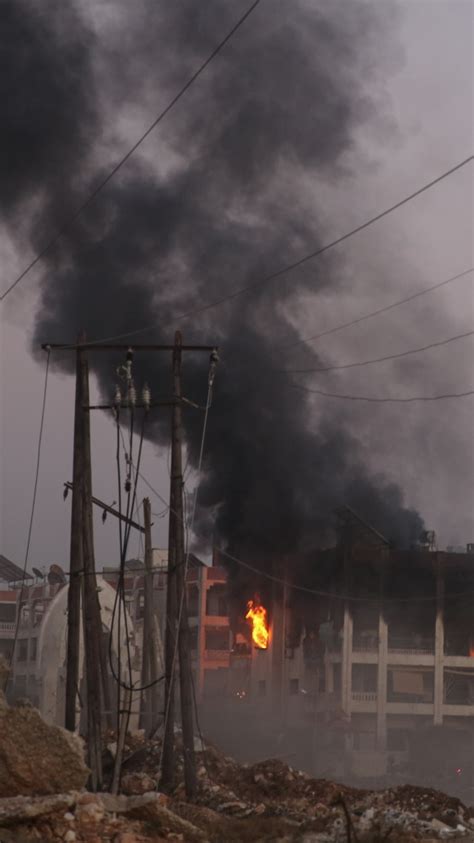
(37, 759)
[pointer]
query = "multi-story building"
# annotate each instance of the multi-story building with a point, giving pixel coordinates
(37, 614)
(377, 681)
(208, 613)
(10, 575)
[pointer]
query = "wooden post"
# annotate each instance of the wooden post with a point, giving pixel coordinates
(92, 625)
(176, 564)
(150, 655)
(75, 563)
(169, 760)
(185, 678)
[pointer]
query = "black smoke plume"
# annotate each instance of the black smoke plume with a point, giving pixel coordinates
(219, 196)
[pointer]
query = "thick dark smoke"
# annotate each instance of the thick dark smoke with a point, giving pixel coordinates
(218, 197)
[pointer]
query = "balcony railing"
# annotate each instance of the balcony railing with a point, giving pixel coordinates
(364, 696)
(363, 644)
(217, 655)
(7, 626)
(411, 646)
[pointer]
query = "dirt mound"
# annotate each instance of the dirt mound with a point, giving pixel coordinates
(236, 803)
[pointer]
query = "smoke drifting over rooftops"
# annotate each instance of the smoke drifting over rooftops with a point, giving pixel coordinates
(216, 198)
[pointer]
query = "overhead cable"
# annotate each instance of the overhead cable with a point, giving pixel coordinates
(380, 359)
(33, 507)
(380, 310)
(130, 152)
(289, 267)
(383, 400)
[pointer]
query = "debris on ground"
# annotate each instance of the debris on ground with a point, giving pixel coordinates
(236, 803)
(37, 759)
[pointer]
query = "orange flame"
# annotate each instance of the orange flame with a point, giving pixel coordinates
(258, 615)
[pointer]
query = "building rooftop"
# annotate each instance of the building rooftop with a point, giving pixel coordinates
(9, 572)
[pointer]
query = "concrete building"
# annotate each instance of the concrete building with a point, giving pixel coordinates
(378, 686)
(208, 613)
(40, 609)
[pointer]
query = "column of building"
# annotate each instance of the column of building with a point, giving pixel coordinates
(201, 636)
(382, 660)
(439, 647)
(346, 666)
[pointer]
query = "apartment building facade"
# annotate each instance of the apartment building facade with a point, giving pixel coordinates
(381, 684)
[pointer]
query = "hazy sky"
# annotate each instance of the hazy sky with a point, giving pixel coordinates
(427, 106)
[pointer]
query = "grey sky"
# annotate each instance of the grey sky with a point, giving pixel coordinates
(427, 105)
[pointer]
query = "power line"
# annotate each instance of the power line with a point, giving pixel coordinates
(303, 260)
(380, 359)
(33, 505)
(375, 400)
(130, 152)
(380, 310)
(334, 595)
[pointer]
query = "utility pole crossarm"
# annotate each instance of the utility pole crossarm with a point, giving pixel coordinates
(91, 346)
(111, 510)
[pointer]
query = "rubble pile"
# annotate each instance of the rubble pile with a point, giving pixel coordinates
(236, 803)
(287, 804)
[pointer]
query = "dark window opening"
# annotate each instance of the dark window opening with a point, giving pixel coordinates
(294, 687)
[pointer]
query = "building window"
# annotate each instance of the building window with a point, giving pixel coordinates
(364, 741)
(38, 612)
(140, 606)
(22, 655)
(33, 649)
(7, 612)
(397, 740)
(262, 687)
(294, 687)
(216, 601)
(217, 639)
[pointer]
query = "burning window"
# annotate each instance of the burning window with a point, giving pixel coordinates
(257, 615)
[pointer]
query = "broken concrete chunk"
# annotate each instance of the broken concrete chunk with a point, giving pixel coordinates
(37, 759)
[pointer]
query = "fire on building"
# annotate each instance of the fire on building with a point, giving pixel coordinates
(369, 679)
(355, 663)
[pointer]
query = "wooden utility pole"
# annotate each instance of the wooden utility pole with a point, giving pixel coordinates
(176, 609)
(92, 624)
(82, 567)
(185, 677)
(151, 655)
(75, 563)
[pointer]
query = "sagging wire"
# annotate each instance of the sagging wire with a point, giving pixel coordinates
(131, 483)
(32, 514)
